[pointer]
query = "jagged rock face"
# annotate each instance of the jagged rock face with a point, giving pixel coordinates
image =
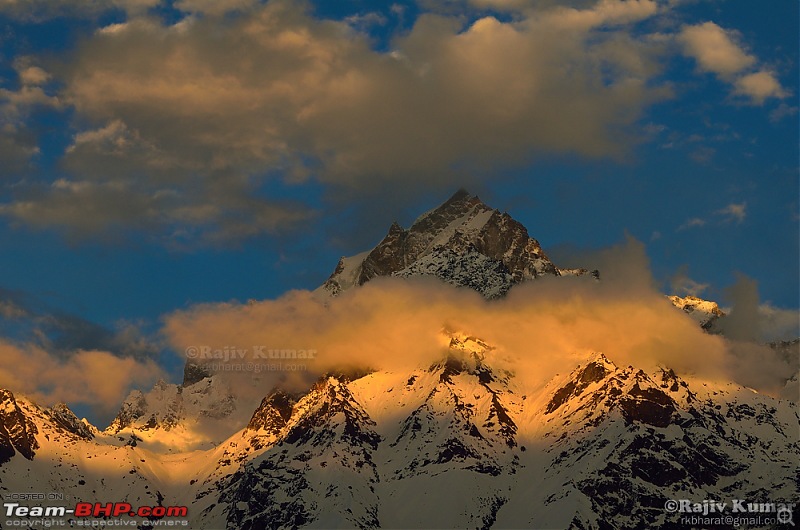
(133, 408)
(470, 269)
(273, 413)
(270, 418)
(66, 419)
(194, 373)
(17, 432)
(629, 441)
(322, 463)
(463, 242)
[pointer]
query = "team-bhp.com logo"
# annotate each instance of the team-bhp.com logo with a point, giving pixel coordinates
(86, 510)
(118, 509)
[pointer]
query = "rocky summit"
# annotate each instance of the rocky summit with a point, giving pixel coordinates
(463, 242)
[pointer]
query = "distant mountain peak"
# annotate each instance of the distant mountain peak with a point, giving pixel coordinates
(705, 312)
(463, 242)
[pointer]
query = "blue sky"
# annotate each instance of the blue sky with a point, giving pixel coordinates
(158, 154)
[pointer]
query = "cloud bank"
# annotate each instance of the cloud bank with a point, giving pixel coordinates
(541, 328)
(53, 356)
(98, 379)
(183, 127)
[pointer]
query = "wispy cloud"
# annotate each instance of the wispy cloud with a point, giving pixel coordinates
(681, 284)
(733, 212)
(782, 111)
(715, 49)
(18, 141)
(693, 222)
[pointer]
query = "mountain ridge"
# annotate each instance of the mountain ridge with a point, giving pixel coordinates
(354, 453)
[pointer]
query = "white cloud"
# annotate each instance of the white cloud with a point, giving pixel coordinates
(750, 320)
(734, 212)
(10, 310)
(17, 142)
(214, 7)
(33, 75)
(366, 20)
(782, 111)
(681, 284)
(604, 12)
(778, 324)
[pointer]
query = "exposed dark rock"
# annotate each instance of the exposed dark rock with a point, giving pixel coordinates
(17, 432)
(463, 242)
(66, 419)
(649, 405)
(194, 373)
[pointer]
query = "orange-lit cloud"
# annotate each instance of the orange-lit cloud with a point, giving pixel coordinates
(95, 378)
(542, 328)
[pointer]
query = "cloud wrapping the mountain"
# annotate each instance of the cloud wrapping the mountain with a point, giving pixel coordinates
(53, 356)
(749, 320)
(540, 329)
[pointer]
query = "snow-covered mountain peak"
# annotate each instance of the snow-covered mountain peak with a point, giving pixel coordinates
(705, 312)
(463, 242)
(180, 417)
(468, 344)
